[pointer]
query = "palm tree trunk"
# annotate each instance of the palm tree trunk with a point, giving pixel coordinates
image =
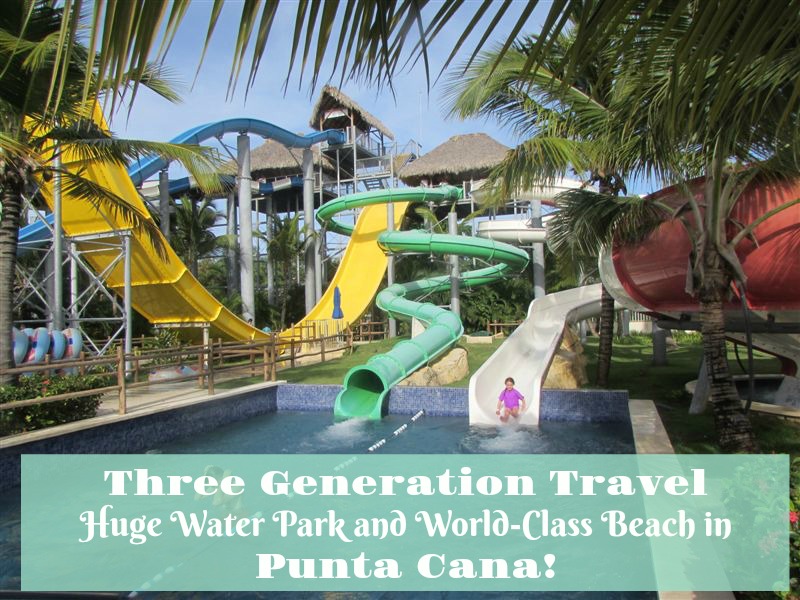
(734, 430)
(606, 337)
(12, 183)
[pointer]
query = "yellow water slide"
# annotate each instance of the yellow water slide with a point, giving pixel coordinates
(167, 294)
(359, 274)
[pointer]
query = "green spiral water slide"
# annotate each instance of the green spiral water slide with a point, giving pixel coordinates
(366, 386)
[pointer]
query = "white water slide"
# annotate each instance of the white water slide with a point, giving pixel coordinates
(527, 353)
(513, 232)
(786, 345)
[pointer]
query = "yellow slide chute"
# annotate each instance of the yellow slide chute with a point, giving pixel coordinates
(167, 294)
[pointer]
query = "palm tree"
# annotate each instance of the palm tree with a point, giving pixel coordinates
(563, 117)
(736, 131)
(683, 122)
(285, 244)
(193, 238)
(374, 38)
(589, 223)
(31, 139)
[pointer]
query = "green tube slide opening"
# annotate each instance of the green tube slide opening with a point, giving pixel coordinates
(363, 395)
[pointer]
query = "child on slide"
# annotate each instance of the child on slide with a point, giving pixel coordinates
(509, 401)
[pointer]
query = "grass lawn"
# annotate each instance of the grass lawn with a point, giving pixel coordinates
(333, 371)
(631, 369)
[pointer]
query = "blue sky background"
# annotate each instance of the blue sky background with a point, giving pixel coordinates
(412, 113)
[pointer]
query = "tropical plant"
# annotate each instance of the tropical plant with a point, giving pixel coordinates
(284, 245)
(500, 302)
(192, 238)
(33, 138)
(586, 225)
(675, 106)
(737, 131)
(563, 119)
(373, 38)
(39, 416)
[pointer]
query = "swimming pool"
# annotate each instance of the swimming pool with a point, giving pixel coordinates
(271, 424)
(295, 432)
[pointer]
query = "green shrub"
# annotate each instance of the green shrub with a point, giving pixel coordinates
(687, 337)
(39, 416)
(634, 339)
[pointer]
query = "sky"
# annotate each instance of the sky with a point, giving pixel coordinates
(413, 114)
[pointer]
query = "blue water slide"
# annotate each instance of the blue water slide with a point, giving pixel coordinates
(35, 235)
(183, 184)
(148, 166)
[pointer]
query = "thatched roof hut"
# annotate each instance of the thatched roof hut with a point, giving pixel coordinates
(335, 110)
(272, 159)
(461, 158)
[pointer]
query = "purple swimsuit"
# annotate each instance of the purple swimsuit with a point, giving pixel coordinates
(511, 398)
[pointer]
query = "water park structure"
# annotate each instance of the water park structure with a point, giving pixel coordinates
(352, 147)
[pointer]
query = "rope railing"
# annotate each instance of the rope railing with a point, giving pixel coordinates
(382, 442)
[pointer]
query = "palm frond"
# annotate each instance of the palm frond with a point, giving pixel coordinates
(158, 78)
(105, 201)
(203, 163)
(11, 146)
(587, 221)
(537, 161)
(429, 217)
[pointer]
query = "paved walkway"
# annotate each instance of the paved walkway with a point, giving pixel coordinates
(161, 394)
(166, 393)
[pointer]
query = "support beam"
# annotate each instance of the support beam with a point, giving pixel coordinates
(455, 291)
(57, 305)
(245, 228)
(659, 346)
(230, 253)
(537, 254)
(319, 252)
(390, 265)
(308, 227)
(270, 226)
(73, 286)
(319, 246)
(128, 295)
(163, 201)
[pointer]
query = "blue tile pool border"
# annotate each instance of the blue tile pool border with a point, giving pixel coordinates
(137, 433)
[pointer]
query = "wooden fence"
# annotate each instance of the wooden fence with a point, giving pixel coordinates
(367, 331)
(208, 364)
(504, 328)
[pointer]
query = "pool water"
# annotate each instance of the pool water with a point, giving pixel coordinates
(317, 433)
(288, 432)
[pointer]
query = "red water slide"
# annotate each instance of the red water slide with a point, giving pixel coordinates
(654, 273)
